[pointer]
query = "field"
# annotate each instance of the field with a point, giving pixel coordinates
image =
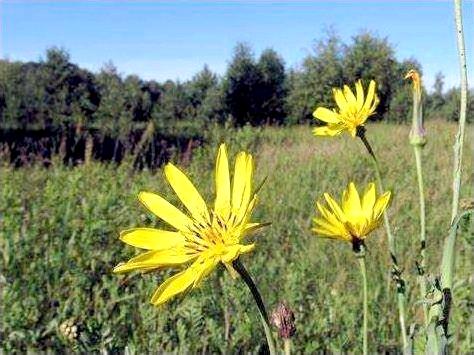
(59, 242)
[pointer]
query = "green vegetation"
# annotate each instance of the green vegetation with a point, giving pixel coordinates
(59, 242)
(58, 98)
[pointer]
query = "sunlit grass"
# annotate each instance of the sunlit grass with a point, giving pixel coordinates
(59, 242)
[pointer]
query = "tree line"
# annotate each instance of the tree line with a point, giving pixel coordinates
(54, 94)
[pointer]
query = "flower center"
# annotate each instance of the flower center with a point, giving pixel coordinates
(215, 236)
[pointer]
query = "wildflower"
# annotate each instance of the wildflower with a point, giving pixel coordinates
(355, 218)
(353, 110)
(352, 221)
(203, 239)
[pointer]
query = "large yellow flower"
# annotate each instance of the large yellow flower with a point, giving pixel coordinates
(203, 239)
(353, 110)
(355, 218)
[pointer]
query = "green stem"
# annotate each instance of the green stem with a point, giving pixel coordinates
(361, 257)
(422, 264)
(239, 267)
(391, 243)
(287, 345)
(462, 110)
(447, 263)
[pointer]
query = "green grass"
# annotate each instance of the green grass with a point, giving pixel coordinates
(59, 242)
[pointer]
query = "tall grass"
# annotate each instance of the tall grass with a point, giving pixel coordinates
(59, 241)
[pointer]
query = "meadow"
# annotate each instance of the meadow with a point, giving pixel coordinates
(59, 230)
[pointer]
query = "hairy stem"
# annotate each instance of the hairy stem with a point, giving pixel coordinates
(359, 250)
(448, 251)
(447, 263)
(287, 345)
(239, 267)
(457, 170)
(396, 271)
(422, 263)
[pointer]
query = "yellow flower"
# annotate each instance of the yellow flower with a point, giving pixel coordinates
(205, 237)
(355, 218)
(353, 110)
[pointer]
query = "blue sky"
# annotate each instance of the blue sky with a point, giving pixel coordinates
(171, 40)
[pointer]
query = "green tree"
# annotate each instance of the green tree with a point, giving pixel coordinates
(311, 85)
(271, 91)
(112, 115)
(436, 100)
(369, 57)
(71, 96)
(240, 86)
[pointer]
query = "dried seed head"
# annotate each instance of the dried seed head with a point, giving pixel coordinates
(466, 203)
(284, 320)
(69, 330)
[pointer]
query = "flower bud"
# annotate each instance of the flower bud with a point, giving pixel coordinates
(284, 320)
(417, 133)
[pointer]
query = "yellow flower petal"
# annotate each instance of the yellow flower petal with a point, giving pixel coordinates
(326, 115)
(349, 95)
(204, 268)
(151, 239)
(242, 183)
(155, 259)
(340, 99)
(165, 210)
(183, 281)
(360, 95)
(336, 209)
(187, 193)
(330, 217)
(325, 229)
(381, 204)
(222, 202)
(370, 96)
(351, 201)
(353, 131)
(330, 130)
(173, 286)
(235, 250)
(368, 200)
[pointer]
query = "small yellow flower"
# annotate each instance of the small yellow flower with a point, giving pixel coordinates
(203, 239)
(353, 110)
(354, 219)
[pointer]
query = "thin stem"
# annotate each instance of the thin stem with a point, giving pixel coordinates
(239, 267)
(287, 345)
(361, 257)
(422, 264)
(396, 271)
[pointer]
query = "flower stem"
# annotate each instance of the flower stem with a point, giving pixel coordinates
(287, 345)
(239, 267)
(462, 110)
(360, 254)
(448, 251)
(422, 264)
(447, 263)
(396, 271)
